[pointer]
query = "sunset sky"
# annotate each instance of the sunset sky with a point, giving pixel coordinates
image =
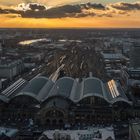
(70, 13)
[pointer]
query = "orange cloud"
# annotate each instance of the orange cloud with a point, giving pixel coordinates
(87, 22)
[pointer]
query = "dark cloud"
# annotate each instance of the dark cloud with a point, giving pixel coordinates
(35, 10)
(32, 10)
(31, 6)
(36, 6)
(63, 11)
(33, 14)
(8, 11)
(60, 12)
(93, 6)
(126, 6)
(2, 11)
(85, 15)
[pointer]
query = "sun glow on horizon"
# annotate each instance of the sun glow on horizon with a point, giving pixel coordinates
(36, 15)
(87, 22)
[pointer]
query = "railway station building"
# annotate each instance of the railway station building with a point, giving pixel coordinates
(66, 101)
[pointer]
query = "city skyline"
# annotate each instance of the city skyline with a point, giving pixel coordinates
(70, 14)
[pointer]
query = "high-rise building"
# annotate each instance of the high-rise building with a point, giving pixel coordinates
(0, 49)
(10, 68)
(0, 84)
(135, 55)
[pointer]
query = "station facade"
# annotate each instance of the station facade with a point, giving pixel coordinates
(67, 101)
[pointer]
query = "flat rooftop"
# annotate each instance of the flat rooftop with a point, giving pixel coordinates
(89, 134)
(113, 55)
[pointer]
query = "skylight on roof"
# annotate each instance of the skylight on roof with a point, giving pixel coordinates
(113, 89)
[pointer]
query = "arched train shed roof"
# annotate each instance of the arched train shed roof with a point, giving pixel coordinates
(62, 88)
(37, 88)
(93, 87)
(115, 93)
(42, 89)
(71, 89)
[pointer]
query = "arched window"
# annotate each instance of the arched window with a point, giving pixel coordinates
(54, 114)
